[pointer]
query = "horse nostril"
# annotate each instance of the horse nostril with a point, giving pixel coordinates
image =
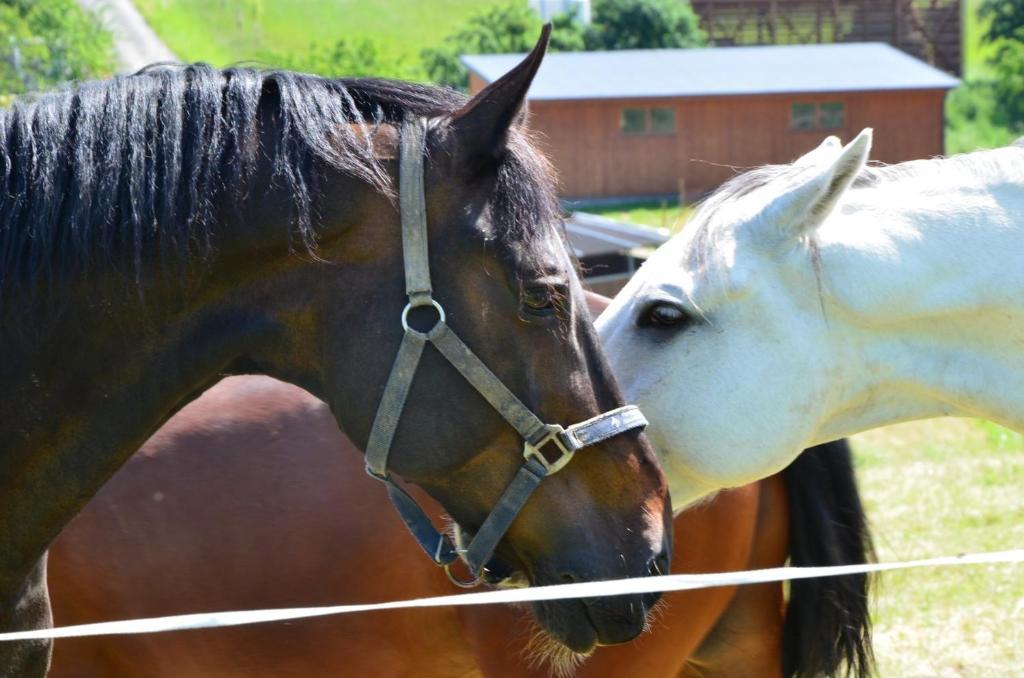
(568, 578)
(658, 565)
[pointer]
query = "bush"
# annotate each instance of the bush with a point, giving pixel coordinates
(47, 42)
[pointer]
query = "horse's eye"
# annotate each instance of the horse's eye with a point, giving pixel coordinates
(663, 314)
(538, 300)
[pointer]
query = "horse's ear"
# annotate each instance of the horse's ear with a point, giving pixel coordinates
(480, 128)
(804, 207)
(828, 148)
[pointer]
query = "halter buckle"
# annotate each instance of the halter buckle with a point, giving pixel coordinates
(552, 464)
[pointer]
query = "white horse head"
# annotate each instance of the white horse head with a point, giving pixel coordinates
(794, 309)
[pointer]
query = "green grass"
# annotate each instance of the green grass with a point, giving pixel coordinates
(942, 487)
(659, 214)
(222, 32)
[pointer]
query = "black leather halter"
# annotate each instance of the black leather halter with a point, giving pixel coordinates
(548, 447)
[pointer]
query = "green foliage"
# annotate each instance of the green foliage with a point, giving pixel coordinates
(1008, 87)
(643, 24)
(47, 42)
(356, 58)
(970, 115)
(1005, 20)
(509, 28)
(977, 114)
(513, 27)
(1005, 32)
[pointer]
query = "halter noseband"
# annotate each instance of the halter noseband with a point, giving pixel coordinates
(548, 447)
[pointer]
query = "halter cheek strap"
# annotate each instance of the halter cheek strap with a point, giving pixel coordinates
(548, 447)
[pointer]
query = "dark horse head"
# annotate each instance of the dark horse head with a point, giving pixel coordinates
(161, 230)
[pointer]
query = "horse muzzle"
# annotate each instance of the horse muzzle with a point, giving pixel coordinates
(582, 624)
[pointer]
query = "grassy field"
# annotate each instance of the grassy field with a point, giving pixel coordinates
(943, 487)
(660, 214)
(226, 31)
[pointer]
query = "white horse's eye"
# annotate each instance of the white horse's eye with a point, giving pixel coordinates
(662, 314)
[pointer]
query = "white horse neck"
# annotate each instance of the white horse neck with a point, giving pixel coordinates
(923, 269)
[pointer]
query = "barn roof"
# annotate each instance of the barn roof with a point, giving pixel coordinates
(592, 235)
(719, 71)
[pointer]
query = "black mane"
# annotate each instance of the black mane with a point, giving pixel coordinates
(134, 168)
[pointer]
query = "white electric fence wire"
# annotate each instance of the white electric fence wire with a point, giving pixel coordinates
(674, 582)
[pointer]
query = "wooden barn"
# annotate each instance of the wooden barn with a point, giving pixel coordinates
(635, 123)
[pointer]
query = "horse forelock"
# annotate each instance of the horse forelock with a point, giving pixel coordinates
(135, 168)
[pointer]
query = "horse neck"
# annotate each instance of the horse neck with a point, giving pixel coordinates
(142, 357)
(924, 277)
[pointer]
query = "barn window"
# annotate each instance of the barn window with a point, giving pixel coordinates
(831, 115)
(634, 121)
(803, 116)
(648, 121)
(663, 121)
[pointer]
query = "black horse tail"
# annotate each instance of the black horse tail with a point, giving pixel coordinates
(828, 629)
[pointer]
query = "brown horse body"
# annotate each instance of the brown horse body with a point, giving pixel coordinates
(289, 519)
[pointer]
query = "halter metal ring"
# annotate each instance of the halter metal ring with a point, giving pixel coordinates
(463, 583)
(410, 306)
(552, 437)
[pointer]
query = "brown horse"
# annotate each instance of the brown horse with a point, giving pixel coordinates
(289, 520)
(161, 230)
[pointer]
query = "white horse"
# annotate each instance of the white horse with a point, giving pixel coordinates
(812, 301)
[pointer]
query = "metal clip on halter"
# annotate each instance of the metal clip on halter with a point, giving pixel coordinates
(427, 301)
(472, 583)
(552, 438)
(540, 458)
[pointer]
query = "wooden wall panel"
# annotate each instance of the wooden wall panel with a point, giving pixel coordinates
(717, 136)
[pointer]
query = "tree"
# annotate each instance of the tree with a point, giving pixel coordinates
(509, 28)
(47, 42)
(643, 24)
(1006, 33)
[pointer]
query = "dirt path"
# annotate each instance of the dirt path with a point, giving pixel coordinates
(135, 42)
